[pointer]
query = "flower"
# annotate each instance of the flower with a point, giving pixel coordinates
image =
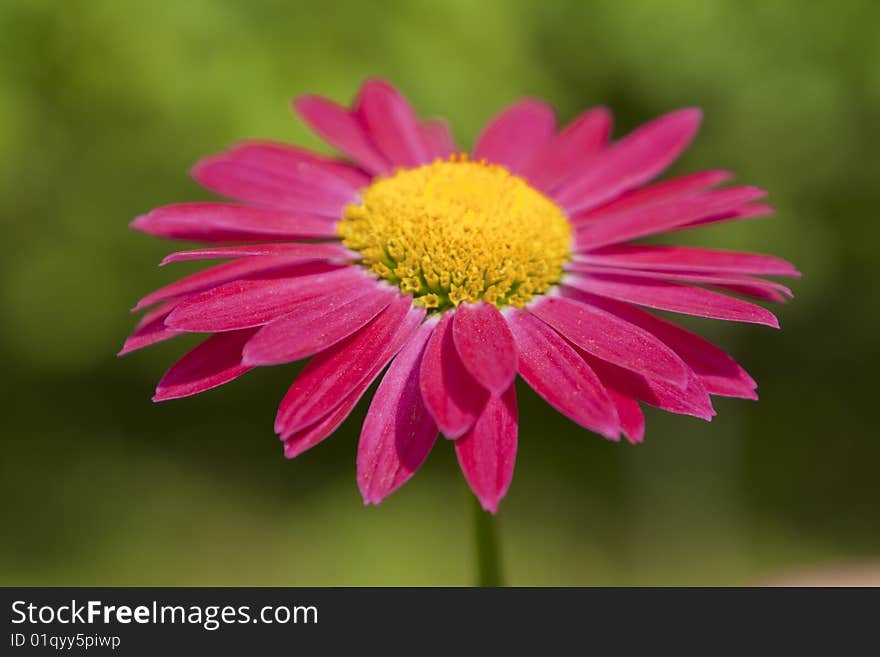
(457, 273)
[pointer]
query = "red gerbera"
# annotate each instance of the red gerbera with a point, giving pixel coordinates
(457, 274)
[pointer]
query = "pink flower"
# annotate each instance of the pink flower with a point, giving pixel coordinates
(456, 274)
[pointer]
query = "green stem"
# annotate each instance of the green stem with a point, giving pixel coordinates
(486, 544)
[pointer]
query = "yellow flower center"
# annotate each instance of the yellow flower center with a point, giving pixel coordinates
(456, 231)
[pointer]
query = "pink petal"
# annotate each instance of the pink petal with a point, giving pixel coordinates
(750, 211)
(304, 439)
(253, 302)
(214, 362)
(335, 373)
(453, 396)
(763, 289)
(219, 274)
(317, 323)
(224, 222)
(632, 420)
(150, 330)
(661, 217)
(487, 452)
(582, 139)
(485, 345)
(610, 338)
(340, 128)
(517, 135)
(556, 372)
(392, 124)
(666, 190)
(644, 256)
(633, 160)
(437, 134)
(693, 399)
(305, 188)
(296, 252)
(674, 298)
(720, 373)
(315, 170)
(398, 432)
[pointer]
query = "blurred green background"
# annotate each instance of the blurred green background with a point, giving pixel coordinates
(105, 104)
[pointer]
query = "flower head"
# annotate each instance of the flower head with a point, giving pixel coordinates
(453, 274)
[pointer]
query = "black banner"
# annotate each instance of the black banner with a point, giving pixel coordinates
(146, 621)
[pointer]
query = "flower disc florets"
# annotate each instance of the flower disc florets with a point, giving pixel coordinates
(456, 231)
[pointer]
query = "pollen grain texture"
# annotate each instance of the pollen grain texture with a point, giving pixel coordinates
(459, 231)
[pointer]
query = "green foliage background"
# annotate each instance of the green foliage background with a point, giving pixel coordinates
(104, 104)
